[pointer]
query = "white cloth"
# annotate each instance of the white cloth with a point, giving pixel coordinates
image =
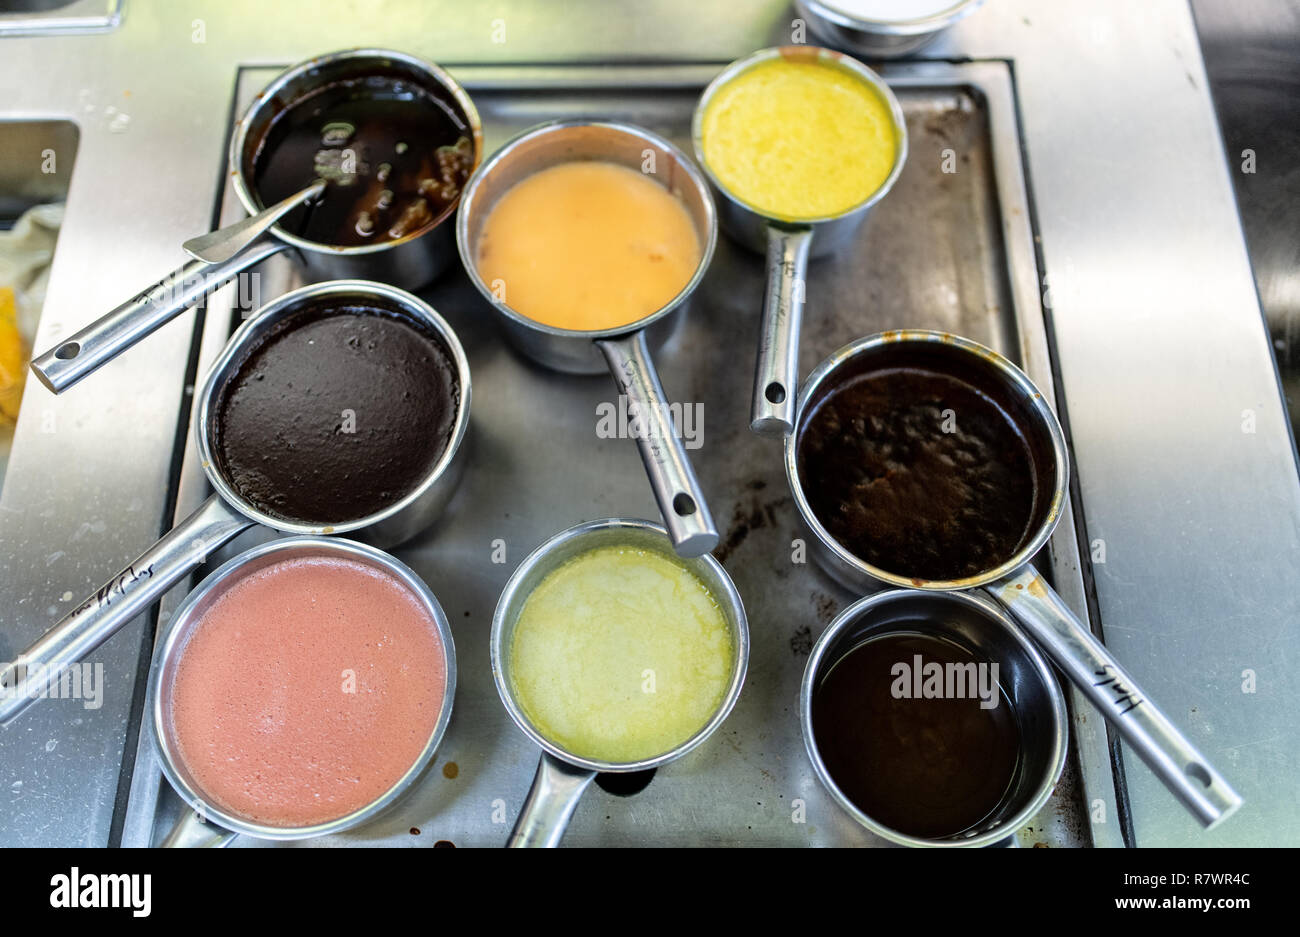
(25, 255)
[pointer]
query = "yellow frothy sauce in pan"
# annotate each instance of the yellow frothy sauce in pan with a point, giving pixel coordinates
(799, 141)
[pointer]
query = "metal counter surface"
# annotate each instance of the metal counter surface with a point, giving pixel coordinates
(1162, 353)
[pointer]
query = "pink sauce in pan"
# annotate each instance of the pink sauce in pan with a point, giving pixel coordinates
(307, 690)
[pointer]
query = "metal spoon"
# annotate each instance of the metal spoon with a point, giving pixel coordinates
(219, 246)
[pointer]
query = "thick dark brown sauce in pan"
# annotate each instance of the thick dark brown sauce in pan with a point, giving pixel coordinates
(396, 158)
(336, 415)
(919, 474)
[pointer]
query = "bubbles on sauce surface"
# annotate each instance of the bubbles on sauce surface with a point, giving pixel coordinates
(919, 473)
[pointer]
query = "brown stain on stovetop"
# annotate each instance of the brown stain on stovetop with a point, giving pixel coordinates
(825, 606)
(950, 126)
(801, 642)
(752, 512)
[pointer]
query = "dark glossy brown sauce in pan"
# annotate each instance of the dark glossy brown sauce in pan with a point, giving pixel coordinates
(396, 158)
(336, 415)
(926, 767)
(919, 473)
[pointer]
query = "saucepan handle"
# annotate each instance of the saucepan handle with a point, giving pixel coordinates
(1085, 660)
(109, 336)
(192, 832)
(776, 375)
(557, 788)
(681, 500)
(126, 595)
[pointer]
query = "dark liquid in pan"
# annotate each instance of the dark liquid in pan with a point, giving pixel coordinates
(336, 415)
(396, 157)
(919, 474)
(924, 767)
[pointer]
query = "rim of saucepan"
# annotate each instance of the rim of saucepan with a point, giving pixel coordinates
(821, 56)
(267, 96)
(914, 26)
(729, 600)
(824, 371)
(360, 292)
(980, 604)
(485, 168)
(172, 641)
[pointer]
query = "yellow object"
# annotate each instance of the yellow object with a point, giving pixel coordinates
(588, 246)
(620, 655)
(13, 358)
(799, 141)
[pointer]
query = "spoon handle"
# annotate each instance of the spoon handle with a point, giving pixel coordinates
(219, 246)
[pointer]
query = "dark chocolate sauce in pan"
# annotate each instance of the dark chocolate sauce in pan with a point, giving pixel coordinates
(919, 473)
(336, 414)
(926, 767)
(396, 158)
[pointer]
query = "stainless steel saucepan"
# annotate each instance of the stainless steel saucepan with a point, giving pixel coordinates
(789, 242)
(409, 262)
(205, 823)
(1015, 583)
(226, 513)
(881, 38)
(563, 776)
(624, 350)
(979, 625)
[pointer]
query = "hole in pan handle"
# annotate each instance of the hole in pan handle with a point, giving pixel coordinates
(776, 374)
(110, 335)
(681, 501)
(130, 592)
(1085, 660)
